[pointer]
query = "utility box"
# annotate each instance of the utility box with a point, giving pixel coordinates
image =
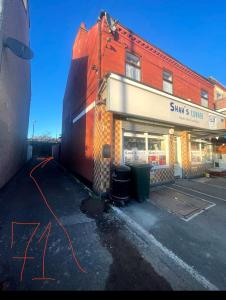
(140, 181)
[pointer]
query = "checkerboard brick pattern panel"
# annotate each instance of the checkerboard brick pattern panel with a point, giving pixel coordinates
(171, 150)
(102, 136)
(186, 164)
(117, 155)
(160, 176)
(199, 170)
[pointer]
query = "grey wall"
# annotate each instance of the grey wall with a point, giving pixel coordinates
(15, 91)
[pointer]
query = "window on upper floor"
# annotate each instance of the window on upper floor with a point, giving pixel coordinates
(204, 98)
(167, 81)
(219, 96)
(133, 66)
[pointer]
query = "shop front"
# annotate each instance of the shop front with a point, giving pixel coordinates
(142, 143)
(151, 126)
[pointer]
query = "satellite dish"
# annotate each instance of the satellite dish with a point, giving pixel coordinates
(111, 23)
(18, 48)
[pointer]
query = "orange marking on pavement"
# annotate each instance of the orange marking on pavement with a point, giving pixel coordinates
(42, 165)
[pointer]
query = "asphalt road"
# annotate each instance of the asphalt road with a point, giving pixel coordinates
(199, 243)
(48, 243)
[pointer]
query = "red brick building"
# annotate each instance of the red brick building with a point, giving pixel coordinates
(131, 99)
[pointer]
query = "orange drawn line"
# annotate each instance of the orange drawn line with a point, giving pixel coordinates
(43, 278)
(42, 164)
(19, 257)
(48, 228)
(19, 223)
(25, 255)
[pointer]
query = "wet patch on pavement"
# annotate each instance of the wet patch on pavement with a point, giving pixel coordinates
(129, 270)
(94, 207)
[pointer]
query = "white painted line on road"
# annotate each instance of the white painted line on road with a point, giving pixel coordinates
(198, 277)
(208, 195)
(188, 194)
(210, 184)
(198, 213)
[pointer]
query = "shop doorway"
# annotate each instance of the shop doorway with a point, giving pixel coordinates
(177, 158)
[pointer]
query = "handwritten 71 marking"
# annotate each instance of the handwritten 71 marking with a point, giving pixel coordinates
(25, 257)
(45, 233)
(42, 165)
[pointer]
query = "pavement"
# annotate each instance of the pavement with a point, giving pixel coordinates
(52, 238)
(56, 235)
(197, 245)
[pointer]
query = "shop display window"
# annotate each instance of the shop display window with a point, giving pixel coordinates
(134, 149)
(201, 152)
(157, 151)
(145, 148)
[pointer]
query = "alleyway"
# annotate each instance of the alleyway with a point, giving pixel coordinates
(35, 252)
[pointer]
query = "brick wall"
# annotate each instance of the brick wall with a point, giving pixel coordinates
(186, 83)
(81, 91)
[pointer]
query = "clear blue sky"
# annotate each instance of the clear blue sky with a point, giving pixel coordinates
(194, 32)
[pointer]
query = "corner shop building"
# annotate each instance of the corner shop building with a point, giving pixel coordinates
(126, 97)
(146, 125)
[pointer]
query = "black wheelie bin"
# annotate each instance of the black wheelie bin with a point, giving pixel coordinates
(140, 181)
(120, 185)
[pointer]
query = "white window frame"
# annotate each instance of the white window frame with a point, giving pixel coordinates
(146, 136)
(134, 68)
(167, 83)
(200, 142)
(204, 99)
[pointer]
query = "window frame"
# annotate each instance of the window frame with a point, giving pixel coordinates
(198, 152)
(147, 151)
(133, 65)
(204, 98)
(169, 81)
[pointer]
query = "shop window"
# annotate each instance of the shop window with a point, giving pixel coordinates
(167, 82)
(201, 152)
(145, 148)
(132, 66)
(134, 149)
(204, 98)
(206, 152)
(157, 151)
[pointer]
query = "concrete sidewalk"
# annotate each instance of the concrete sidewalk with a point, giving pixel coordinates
(104, 247)
(198, 244)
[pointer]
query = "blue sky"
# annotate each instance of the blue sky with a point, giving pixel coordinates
(194, 32)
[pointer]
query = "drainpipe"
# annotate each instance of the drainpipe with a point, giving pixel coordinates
(2, 7)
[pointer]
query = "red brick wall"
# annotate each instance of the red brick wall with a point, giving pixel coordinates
(81, 90)
(82, 86)
(186, 83)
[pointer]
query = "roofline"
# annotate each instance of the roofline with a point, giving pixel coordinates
(216, 82)
(126, 28)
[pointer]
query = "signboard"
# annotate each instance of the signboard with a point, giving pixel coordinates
(124, 96)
